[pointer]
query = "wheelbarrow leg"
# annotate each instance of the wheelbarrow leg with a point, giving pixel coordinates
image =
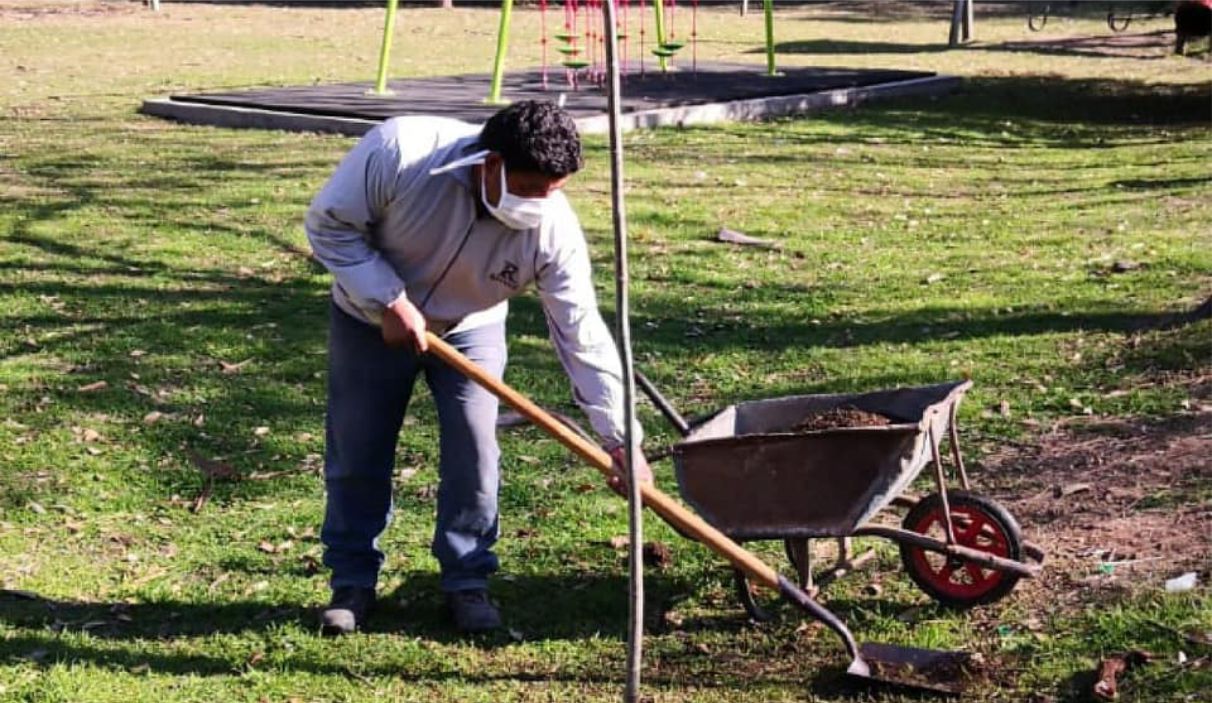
(846, 561)
(744, 593)
(799, 552)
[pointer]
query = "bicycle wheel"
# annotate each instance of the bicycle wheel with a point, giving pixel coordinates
(1037, 15)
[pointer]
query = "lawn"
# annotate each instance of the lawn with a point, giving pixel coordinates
(1040, 231)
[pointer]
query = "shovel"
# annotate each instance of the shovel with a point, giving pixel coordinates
(903, 666)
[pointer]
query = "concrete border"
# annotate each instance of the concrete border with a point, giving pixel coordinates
(252, 118)
(771, 107)
(685, 115)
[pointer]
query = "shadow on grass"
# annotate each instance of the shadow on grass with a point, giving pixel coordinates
(901, 11)
(153, 634)
(564, 606)
(1046, 110)
(1143, 46)
(188, 319)
(851, 46)
(162, 637)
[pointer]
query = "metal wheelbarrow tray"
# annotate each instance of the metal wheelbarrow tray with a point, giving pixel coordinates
(749, 473)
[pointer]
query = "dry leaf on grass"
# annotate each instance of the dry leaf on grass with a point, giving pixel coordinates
(658, 554)
(211, 471)
(1106, 685)
(212, 468)
(230, 368)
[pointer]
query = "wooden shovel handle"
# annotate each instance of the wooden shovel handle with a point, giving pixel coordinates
(669, 509)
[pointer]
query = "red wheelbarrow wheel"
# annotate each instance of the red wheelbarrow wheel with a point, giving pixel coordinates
(981, 524)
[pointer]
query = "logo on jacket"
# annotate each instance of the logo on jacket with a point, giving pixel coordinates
(507, 276)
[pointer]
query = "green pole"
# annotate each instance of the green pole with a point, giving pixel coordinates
(498, 66)
(770, 68)
(385, 50)
(658, 6)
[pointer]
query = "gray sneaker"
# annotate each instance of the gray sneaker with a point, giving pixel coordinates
(473, 611)
(347, 611)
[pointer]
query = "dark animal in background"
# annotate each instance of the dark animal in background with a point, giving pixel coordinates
(1192, 18)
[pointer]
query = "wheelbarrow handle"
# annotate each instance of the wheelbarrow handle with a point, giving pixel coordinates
(660, 503)
(662, 403)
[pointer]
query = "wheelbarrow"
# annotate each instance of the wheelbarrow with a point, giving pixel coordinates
(753, 475)
(900, 665)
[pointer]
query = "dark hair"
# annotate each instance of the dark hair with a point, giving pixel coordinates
(534, 136)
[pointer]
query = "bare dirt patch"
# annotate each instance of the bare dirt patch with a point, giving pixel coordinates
(1115, 503)
(26, 10)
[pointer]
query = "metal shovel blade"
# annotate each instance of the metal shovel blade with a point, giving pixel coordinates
(925, 669)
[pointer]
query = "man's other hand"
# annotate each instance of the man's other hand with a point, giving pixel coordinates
(404, 326)
(618, 482)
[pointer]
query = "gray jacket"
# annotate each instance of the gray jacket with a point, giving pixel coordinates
(385, 227)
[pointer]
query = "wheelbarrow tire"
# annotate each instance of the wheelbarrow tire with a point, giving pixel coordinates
(989, 528)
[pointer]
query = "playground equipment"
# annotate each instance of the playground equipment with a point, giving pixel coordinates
(389, 27)
(581, 41)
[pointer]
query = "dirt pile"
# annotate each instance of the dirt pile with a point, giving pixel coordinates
(841, 416)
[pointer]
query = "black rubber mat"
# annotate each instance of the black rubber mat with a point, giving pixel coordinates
(463, 96)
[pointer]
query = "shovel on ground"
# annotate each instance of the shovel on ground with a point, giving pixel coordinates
(903, 666)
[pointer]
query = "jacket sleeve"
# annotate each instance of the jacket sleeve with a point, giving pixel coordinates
(341, 220)
(581, 338)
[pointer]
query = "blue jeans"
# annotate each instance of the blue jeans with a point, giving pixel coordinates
(369, 385)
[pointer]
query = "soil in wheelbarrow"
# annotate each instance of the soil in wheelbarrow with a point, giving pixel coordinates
(841, 416)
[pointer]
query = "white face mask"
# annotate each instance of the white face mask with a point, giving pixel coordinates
(512, 211)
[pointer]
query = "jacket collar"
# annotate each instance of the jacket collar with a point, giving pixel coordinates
(464, 154)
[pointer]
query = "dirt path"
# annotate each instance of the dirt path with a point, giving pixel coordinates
(1116, 503)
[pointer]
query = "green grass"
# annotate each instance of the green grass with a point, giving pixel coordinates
(922, 240)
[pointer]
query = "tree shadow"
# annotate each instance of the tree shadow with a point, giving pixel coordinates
(199, 311)
(1161, 183)
(570, 605)
(1144, 46)
(1054, 107)
(880, 12)
(851, 46)
(537, 608)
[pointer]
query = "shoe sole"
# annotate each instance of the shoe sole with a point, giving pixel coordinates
(335, 631)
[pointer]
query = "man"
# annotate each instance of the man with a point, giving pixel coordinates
(1192, 19)
(432, 224)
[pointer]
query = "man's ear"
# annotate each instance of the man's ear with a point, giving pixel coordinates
(492, 176)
